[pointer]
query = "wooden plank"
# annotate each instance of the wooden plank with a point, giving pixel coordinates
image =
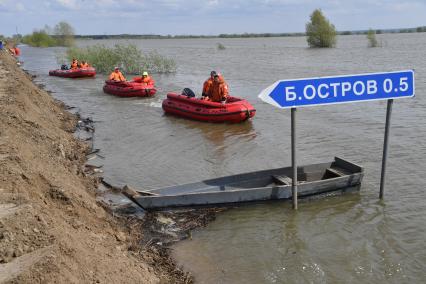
(282, 179)
(147, 193)
(127, 190)
(336, 172)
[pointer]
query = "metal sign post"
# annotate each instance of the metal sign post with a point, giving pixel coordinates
(385, 147)
(336, 90)
(293, 157)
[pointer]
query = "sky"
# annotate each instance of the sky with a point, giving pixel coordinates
(206, 17)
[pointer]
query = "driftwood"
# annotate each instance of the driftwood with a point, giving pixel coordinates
(90, 169)
(110, 186)
(131, 194)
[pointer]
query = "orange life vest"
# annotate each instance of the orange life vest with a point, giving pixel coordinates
(146, 80)
(117, 76)
(207, 86)
(219, 90)
(74, 64)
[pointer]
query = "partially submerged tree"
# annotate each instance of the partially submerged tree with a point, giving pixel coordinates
(128, 57)
(64, 34)
(220, 46)
(371, 36)
(320, 32)
(39, 38)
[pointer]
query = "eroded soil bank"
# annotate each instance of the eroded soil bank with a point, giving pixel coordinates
(52, 229)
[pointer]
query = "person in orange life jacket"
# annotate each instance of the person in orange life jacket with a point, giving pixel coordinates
(84, 64)
(15, 51)
(145, 79)
(219, 90)
(116, 75)
(74, 64)
(208, 85)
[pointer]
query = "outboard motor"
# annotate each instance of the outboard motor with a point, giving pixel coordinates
(188, 92)
(64, 67)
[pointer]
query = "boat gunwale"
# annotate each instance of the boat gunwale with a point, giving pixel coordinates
(73, 71)
(346, 189)
(211, 114)
(198, 101)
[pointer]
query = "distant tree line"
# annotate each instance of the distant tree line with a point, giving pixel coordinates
(153, 36)
(319, 31)
(243, 35)
(122, 36)
(421, 29)
(246, 35)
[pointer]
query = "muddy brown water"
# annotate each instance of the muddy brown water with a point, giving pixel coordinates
(346, 239)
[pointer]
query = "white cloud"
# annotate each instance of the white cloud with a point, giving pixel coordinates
(69, 4)
(407, 6)
(105, 2)
(20, 7)
(9, 6)
(212, 2)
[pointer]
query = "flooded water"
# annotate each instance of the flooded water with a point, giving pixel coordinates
(346, 239)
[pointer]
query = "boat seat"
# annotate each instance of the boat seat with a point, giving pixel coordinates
(282, 179)
(336, 172)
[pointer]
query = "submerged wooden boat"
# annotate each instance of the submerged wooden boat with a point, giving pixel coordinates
(263, 185)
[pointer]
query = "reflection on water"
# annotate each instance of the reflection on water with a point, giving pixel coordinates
(353, 238)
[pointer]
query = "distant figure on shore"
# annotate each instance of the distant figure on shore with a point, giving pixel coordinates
(1, 45)
(145, 79)
(116, 75)
(219, 90)
(74, 63)
(84, 64)
(208, 85)
(15, 51)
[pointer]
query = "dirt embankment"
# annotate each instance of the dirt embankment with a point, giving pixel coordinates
(51, 227)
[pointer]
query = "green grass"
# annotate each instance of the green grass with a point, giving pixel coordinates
(128, 57)
(371, 37)
(39, 39)
(319, 31)
(220, 46)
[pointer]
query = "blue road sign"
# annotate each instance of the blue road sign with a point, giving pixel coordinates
(339, 89)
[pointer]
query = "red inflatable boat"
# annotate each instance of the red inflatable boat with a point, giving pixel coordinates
(234, 110)
(129, 89)
(74, 73)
